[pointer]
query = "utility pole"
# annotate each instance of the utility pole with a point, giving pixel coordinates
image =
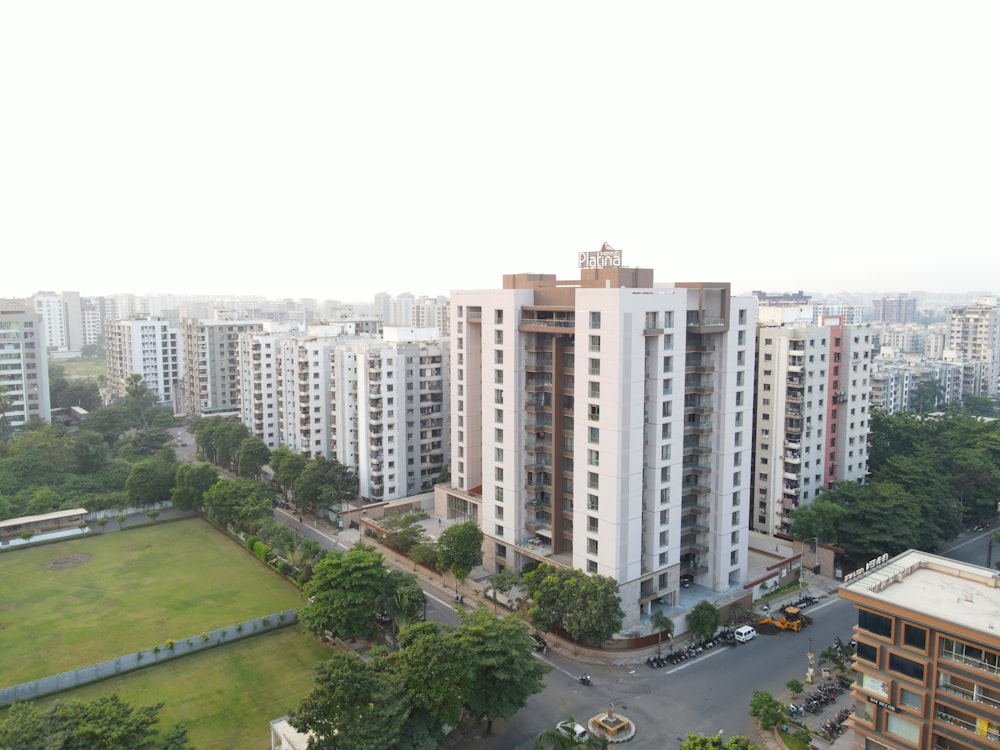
(989, 551)
(809, 655)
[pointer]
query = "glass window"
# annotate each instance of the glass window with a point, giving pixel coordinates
(595, 320)
(906, 667)
(910, 699)
(874, 623)
(867, 652)
(915, 637)
(902, 728)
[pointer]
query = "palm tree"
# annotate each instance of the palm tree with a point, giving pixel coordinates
(663, 624)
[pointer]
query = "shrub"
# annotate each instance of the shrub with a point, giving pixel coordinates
(170, 645)
(251, 541)
(284, 567)
(261, 550)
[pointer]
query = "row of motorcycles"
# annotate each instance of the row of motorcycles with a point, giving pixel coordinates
(824, 695)
(676, 656)
(835, 726)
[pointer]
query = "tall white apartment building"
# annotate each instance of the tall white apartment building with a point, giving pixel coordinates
(604, 424)
(212, 385)
(24, 368)
(895, 382)
(62, 316)
(376, 404)
(974, 333)
(812, 418)
(149, 347)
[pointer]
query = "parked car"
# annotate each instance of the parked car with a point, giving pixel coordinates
(572, 730)
(540, 644)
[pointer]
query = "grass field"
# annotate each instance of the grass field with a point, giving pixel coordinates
(226, 696)
(78, 602)
(88, 369)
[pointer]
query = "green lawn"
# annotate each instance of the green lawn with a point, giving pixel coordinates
(226, 696)
(88, 369)
(128, 590)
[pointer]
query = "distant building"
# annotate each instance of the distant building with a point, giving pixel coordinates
(811, 420)
(901, 309)
(62, 316)
(378, 405)
(927, 662)
(974, 334)
(211, 383)
(24, 364)
(149, 347)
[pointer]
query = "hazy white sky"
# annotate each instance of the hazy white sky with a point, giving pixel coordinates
(336, 149)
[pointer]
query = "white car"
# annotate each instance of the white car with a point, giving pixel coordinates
(573, 730)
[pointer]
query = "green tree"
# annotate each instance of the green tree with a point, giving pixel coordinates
(245, 504)
(716, 742)
(354, 704)
(766, 709)
(500, 654)
(149, 482)
(324, 484)
(927, 396)
(794, 687)
(107, 723)
(254, 454)
(344, 592)
(598, 614)
(460, 549)
(108, 421)
(287, 466)
(662, 624)
(6, 406)
(90, 451)
(191, 483)
(703, 620)
(401, 599)
(503, 581)
(436, 672)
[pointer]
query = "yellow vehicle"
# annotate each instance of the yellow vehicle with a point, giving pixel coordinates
(791, 619)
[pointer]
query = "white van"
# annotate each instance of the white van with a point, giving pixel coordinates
(745, 633)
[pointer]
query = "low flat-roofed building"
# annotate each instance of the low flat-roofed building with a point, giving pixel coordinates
(42, 524)
(928, 654)
(286, 737)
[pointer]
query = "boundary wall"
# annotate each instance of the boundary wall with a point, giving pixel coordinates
(168, 651)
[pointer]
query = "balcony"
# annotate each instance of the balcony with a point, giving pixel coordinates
(792, 457)
(691, 504)
(694, 488)
(696, 449)
(698, 427)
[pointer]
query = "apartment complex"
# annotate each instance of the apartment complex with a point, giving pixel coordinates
(899, 309)
(928, 654)
(149, 347)
(974, 334)
(211, 385)
(379, 405)
(413, 312)
(24, 365)
(896, 382)
(62, 316)
(604, 424)
(812, 413)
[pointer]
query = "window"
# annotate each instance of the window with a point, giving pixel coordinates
(498, 317)
(902, 728)
(498, 511)
(668, 341)
(498, 357)
(664, 517)
(593, 434)
(874, 623)
(498, 435)
(908, 667)
(591, 524)
(498, 454)
(498, 377)
(591, 566)
(664, 473)
(592, 480)
(595, 320)
(498, 416)
(595, 366)
(498, 396)
(668, 364)
(739, 378)
(591, 546)
(867, 652)
(741, 317)
(594, 457)
(668, 319)
(594, 389)
(874, 685)
(915, 637)
(498, 473)
(664, 452)
(594, 412)
(498, 337)
(499, 530)
(668, 409)
(665, 431)
(592, 502)
(910, 699)
(498, 494)
(741, 338)
(595, 344)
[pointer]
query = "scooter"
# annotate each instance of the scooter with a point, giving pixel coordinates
(585, 679)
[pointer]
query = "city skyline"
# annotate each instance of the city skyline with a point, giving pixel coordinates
(335, 152)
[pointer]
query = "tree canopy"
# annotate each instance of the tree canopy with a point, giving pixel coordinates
(107, 723)
(587, 607)
(460, 549)
(344, 592)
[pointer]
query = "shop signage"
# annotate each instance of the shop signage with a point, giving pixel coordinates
(883, 704)
(870, 565)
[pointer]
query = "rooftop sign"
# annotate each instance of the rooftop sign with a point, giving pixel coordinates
(606, 257)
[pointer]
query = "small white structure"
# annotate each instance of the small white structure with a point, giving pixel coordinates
(285, 737)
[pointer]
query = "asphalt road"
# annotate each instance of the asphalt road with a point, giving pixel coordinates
(702, 695)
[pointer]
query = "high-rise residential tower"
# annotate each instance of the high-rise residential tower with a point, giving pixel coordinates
(974, 334)
(24, 368)
(812, 413)
(604, 424)
(211, 384)
(149, 347)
